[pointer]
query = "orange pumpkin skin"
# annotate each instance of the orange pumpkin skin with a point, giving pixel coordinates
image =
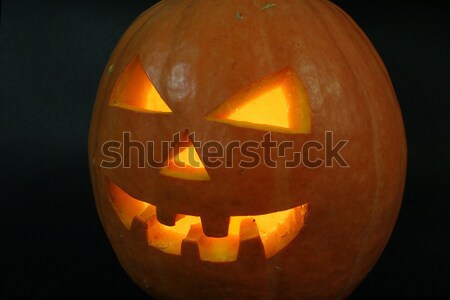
(200, 53)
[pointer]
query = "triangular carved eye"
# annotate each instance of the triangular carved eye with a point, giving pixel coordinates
(134, 90)
(276, 103)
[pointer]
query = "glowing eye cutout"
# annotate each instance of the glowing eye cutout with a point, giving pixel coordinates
(134, 91)
(187, 165)
(276, 103)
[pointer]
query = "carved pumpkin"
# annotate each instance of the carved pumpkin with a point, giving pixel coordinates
(231, 71)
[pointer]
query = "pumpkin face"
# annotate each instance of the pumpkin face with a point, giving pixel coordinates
(226, 74)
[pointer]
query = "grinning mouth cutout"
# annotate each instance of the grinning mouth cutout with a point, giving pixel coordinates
(259, 235)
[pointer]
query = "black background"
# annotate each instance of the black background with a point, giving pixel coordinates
(52, 54)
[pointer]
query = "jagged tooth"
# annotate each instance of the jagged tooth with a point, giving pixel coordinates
(166, 216)
(179, 217)
(251, 248)
(189, 246)
(148, 213)
(215, 226)
(138, 230)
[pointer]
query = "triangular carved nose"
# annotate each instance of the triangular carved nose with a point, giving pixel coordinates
(185, 163)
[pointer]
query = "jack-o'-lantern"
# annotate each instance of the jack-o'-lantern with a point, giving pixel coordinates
(224, 74)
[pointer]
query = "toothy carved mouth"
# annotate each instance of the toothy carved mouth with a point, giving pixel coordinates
(263, 235)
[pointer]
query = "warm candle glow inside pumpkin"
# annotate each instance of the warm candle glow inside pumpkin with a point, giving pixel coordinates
(278, 103)
(270, 108)
(276, 229)
(186, 164)
(134, 90)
